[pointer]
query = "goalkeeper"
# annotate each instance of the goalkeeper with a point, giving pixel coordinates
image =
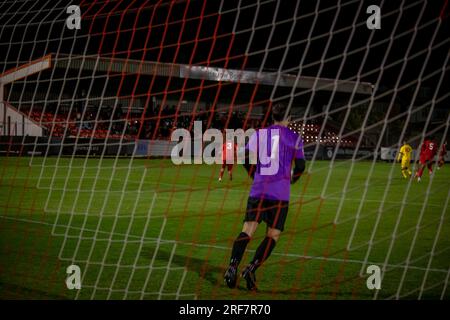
(277, 148)
(404, 156)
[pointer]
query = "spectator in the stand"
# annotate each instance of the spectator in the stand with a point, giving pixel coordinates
(85, 125)
(117, 126)
(87, 122)
(149, 132)
(78, 119)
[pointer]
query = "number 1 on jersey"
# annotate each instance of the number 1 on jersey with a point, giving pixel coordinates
(274, 147)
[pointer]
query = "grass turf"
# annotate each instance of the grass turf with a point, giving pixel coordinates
(148, 229)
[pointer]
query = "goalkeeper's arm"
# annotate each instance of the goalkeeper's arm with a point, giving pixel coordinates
(249, 167)
(400, 155)
(299, 168)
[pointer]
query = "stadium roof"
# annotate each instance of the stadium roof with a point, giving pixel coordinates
(129, 66)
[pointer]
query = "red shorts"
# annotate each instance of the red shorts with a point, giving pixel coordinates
(426, 158)
(229, 166)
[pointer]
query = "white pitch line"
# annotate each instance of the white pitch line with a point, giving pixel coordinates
(307, 195)
(292, 255)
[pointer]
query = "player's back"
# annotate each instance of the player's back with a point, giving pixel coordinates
(276, 147)
(229, 152)
(429, 148)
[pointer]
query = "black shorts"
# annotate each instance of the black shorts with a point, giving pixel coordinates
(272, 212)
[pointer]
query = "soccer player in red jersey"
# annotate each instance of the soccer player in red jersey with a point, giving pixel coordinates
(427, 153)
(442, 155)
(229, 153)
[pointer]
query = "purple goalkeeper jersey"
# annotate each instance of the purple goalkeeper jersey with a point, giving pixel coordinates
(276, 147)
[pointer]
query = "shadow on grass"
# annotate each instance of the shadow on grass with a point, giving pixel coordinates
(202, 267)
(213, 274)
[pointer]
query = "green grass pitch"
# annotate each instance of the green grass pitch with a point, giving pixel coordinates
(141, 228)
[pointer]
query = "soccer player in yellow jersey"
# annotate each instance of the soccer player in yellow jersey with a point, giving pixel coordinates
(404, 155)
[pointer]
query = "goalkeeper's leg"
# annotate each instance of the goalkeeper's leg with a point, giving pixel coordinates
(275, 217)
(262, 253)
(239, 246)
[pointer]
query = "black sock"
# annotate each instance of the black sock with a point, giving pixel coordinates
(239, 248)
(262, 253)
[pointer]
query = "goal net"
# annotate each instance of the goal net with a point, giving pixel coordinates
(92, 205)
